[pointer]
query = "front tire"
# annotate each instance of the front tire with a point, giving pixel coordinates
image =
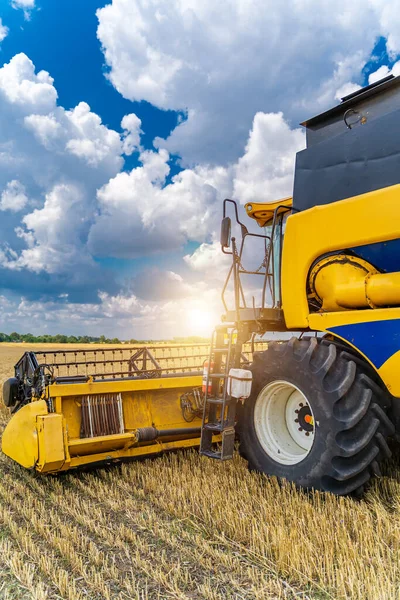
(317, 416)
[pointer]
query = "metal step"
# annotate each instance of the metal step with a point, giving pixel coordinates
(212, 454)
(227, 447)
(220, 401)
(217, 375)
(214, 427)
(221, 350)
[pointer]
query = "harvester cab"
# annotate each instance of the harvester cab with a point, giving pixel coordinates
(316, 407)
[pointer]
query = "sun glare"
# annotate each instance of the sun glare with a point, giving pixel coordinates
(201, 322)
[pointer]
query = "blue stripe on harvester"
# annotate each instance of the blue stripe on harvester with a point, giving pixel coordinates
(377, 340)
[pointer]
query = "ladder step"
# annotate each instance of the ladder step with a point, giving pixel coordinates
(221, 350)
(213, 426)
(220, 400)
(217, 375)
(212, 454)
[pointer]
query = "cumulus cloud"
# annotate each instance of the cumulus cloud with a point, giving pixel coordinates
(21, 86)
(208, 258)
(140, 213)
(13, 197)
(94, 142)
(58, 159)
(3, 31)
(223, 66)
(265, 171)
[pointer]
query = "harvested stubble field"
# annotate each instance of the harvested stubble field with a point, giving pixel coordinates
(183, 527)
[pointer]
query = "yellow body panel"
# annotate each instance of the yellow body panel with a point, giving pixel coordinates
(51, 442)
(389, 372)
(20, 437)
(364, 219)
(263, 212)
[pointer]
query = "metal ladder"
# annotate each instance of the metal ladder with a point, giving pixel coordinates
(219, 408)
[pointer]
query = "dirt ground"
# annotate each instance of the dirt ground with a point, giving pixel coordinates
(180, 526)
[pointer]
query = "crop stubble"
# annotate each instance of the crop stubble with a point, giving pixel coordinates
(180, 526)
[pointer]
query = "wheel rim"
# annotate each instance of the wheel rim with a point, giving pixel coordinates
(284, 422)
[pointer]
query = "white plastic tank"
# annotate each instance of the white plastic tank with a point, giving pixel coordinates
(239, 383)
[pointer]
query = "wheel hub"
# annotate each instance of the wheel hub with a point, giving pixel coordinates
(284, 422)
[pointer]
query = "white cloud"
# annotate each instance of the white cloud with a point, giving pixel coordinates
(13, 197)
(384, 71)
(380, 73)
(224, 66)
(140, 214)
(21, 86)
(3, 31)
(346, 89)
(53, 233)
(94, 142)
(23, 3)
(131, 124)
(208, 258)
(266, 170)
(26, 5)
(58, 159)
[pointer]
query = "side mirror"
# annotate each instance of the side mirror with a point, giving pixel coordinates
(226, 232)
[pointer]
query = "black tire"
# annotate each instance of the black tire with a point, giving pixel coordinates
(349, 405)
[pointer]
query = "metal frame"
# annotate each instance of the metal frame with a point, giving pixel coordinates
(266, 268)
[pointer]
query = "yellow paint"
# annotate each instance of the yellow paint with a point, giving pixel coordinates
(325, 321)
(344, 282)
(51, 443)
(365, 219)
(105, 443)
(126, 385)
(263, 212)
(135, 452)
(389, 372)
(20, 438)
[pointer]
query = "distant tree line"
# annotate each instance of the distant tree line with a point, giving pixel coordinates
(59, 339)
(89, 339)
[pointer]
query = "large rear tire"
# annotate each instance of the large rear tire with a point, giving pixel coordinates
(316, 416)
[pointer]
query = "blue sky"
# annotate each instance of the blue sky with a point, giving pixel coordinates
(109, 215)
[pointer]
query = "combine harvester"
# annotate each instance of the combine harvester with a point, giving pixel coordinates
(316, 409)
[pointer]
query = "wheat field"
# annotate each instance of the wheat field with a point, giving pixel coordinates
(184, 527)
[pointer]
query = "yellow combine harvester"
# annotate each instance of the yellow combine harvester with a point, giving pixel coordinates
(317, 407)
